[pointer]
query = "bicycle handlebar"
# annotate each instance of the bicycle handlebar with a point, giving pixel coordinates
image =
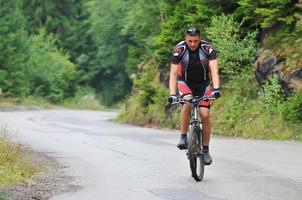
(194, 101)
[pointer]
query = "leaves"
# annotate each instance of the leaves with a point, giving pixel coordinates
(235, 52)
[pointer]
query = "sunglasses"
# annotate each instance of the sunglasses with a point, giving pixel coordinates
(192, 31)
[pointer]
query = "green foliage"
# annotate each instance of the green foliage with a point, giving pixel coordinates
(268, 13)
(241, 113)
(291, 109)
(241, 107)
(68, 21)
(286, 43)
(276, 11)
(235, 52)
(85, 98)
(111, 79)
(52, 49)
(31, 65)
(177, 16)
(251, 120)
(148, 100)
(270, 97)
(50, 72)
(13, 50)
(238, 101)
(141, 24)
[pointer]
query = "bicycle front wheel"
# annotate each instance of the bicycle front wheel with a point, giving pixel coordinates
(194, 155)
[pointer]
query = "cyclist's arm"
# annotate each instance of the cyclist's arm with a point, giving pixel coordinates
(173, 78)
(214, 72)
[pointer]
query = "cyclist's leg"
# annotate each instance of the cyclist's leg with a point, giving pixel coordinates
(206, 124)
(185, 118)
(185, 93)
(204, 112)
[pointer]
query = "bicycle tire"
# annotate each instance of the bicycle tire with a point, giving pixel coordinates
(195, 158)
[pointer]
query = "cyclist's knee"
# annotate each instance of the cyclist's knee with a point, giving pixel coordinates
(186, 107)
(205, 114)
(187, 97)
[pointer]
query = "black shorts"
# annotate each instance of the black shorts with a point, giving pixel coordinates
(199, 90)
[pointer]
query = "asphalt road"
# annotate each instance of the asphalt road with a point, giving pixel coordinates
(113, 161)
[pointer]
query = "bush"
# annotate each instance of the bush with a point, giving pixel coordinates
(235, 52)
(291, 109)
(148, 101)
(51, 73)
(270, 97)
(84, 98)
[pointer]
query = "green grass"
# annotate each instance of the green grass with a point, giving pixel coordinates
(24, 103)
(82, 102)
(85, 102)
(234, 114)
(249, 119)
(16, 165)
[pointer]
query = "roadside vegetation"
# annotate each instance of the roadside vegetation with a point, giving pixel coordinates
(87, 59)
(82, 101)
(16, 165)
(238, 31)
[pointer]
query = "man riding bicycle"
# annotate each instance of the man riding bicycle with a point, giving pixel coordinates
(193, 62)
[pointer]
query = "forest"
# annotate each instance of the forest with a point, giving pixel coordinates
(119, 52)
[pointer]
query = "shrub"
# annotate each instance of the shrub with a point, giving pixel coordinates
(291, 109)
(51, 73)
(148, 100)
(235, 52)
(270, 97)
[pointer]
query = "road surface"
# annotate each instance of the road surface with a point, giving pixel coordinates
(113, 161)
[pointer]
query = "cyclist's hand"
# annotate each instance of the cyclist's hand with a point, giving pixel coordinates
(216, 93)
(172, 98)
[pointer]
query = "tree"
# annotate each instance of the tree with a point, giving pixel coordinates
(111, 79)
(141, 24)
(269, 15)
(52, 75)
(235, 49)
(179, 15)
(13, 48)
(68, 20)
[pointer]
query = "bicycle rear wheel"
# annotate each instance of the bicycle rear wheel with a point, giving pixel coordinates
(195, 158)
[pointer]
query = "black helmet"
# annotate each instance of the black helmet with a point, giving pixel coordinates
(192, 31)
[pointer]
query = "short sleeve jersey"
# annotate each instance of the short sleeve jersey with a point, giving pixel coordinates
(194, 64)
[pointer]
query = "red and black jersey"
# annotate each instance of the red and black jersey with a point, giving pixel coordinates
(194, 65)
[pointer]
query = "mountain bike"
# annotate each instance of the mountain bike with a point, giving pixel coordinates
(195, 138)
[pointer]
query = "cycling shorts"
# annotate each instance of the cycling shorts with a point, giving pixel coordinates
(199, 90)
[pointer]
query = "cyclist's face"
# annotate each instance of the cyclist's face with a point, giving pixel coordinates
(192, 41)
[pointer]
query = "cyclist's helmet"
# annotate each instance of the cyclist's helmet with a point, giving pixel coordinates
(192, 31)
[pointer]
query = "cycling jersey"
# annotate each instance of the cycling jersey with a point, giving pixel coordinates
(194, 72)
(194, 65)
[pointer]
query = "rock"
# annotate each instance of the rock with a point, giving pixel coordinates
(268, 63)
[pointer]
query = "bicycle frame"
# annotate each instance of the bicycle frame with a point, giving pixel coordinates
(195, 119)
(195, 138)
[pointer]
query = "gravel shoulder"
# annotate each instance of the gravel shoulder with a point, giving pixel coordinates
(53, 180)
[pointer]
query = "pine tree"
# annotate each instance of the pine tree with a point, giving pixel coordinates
(13, 50)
